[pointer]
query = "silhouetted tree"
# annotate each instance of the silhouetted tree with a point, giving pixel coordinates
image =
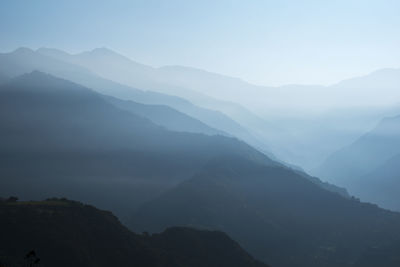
(31, 259)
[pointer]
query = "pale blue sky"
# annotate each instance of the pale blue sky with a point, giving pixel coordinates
(261, 41)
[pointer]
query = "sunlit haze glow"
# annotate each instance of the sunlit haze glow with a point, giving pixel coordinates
(263, 42)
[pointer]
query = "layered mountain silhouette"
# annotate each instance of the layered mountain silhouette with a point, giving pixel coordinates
(25, 60)
(369, 166)
(51, 62)
(56, 130)
(189, 83)
(60, 232)
(66, 66)
(204, 89)
(345, 110)
(60, 138)
(286, 124)
(67, 139)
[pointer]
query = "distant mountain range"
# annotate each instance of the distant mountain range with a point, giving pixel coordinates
(25, 60)
(369, 167)
(59, 232)
(201, 86)
(292, 122)
(268, 118)
(245, 125)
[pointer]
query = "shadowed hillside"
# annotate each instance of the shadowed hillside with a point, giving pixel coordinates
(67, 233)
(276, 215)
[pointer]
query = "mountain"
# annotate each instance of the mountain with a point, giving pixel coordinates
(204, 89)
(207, 90)
(59, 138)
(98, 60)
(177, 80)
(275, 214)
(162, 80)
(66, 135)
(368, 166)
(351, 92)
(207, 87)
(61, 233)
(25, 60)
(214, 112)
(304, 124)
(299, 124)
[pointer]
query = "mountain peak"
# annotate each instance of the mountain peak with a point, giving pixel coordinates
(23, 51)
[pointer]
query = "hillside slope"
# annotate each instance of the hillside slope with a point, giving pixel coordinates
(67, 233)
(274, 213)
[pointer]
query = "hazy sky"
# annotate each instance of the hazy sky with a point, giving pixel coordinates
(261, 41)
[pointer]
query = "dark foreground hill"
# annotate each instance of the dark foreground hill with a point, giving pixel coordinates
(67, 233)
